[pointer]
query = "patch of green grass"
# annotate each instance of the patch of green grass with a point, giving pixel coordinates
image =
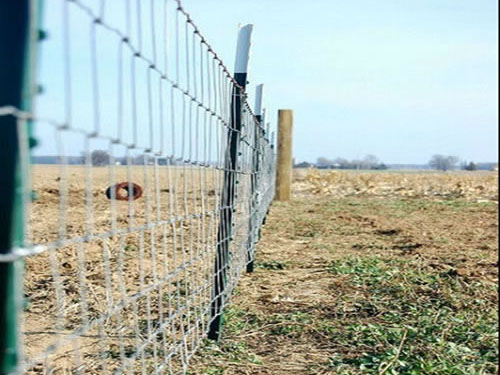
(272, 265)
(238, 320)
(460, 204)
(130, 248)
(211, 370)
(289, 324)
(361, 270)
(229, 351)
(421, 322)
(412, 315)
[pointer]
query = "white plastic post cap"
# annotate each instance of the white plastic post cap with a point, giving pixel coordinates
(243, 49)
(259, 91)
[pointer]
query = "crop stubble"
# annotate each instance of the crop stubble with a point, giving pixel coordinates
(378, 213)
(103, 252)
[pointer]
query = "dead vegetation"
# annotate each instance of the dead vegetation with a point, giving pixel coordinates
(120, 281)
(366, 283)
(479, 186)
(362, 273)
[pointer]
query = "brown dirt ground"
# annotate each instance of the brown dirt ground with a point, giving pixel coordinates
(302, 237)
(82, 280)
(441, 222)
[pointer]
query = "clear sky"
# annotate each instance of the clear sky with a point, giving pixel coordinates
(402, 80)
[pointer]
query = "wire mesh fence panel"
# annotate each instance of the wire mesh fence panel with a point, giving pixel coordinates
(123, 231)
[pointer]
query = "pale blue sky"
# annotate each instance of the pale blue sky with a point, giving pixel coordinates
(399, 79)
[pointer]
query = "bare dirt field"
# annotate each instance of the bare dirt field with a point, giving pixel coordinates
(114, 275)
(361, 273)
(370, 273)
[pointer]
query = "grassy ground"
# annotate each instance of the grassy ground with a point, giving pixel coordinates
(366, 285)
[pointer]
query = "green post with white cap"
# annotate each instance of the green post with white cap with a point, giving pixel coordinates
(19, 35)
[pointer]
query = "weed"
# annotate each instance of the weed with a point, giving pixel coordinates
(290, 324)
(407, 290)
(422, 326)
(272, 265)
(130, 248)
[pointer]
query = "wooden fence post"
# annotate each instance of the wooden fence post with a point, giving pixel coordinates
(284, 163)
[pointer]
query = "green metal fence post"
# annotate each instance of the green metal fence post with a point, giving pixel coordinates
(18, 38)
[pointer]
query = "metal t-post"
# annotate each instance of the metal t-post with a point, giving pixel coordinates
(224, 234)
(19, 34)
(255, 177)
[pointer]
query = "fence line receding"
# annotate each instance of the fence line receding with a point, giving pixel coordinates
(134, 217)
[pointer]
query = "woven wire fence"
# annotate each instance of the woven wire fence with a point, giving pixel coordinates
(132, 278)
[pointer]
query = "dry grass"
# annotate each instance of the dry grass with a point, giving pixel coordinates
(361, 273)
(109, 251)
(478, 186)
(73, 200)
(355, 279)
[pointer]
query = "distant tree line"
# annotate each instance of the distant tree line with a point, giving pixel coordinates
(448, 162)
(368, 162)
(471, 166)
(443, 162)
(99, 158)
